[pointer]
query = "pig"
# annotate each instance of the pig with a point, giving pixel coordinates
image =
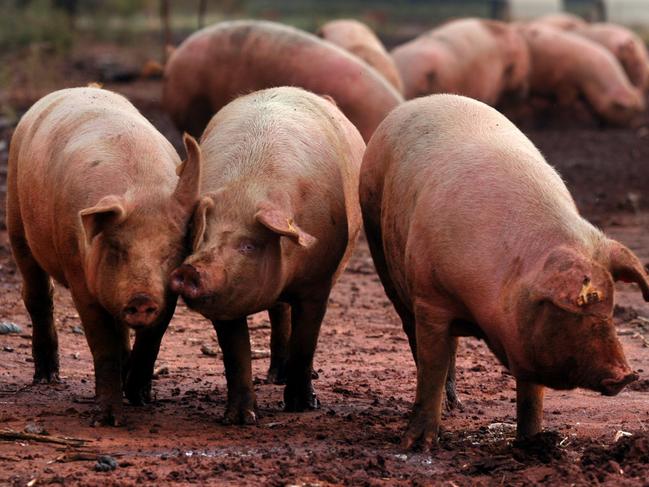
(626, 46)
(220, 62)
(563, 21)
(275, 226)
(473, 233)
(567, 67)
(358, 38)
(94, 202)
(483, 59)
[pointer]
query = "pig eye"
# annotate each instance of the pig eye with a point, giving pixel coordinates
(248, 247)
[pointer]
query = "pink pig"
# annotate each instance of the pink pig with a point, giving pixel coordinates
(473, 233)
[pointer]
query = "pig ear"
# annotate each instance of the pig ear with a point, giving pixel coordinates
(625, 266)
(282, 223)
(109, 211)
(574, 284)
(199, 222)
(189, 173)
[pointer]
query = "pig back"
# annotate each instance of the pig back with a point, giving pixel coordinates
(358, 38)
(458, 209)
(466, 57)
(564, 58)
(290, 141)
(223, 61)
(73, 147)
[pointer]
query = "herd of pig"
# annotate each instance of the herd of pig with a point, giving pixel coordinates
(472, 233)
(559, 58)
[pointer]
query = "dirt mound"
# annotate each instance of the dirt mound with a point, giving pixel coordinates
(629, 456)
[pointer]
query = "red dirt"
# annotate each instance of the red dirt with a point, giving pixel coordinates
(366, 379)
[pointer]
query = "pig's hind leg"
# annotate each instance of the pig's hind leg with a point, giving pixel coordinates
(434, 350)
(307, 314)
(452, 401)
(37, 294)
(280, 332)
(374, 240)
(375, 243)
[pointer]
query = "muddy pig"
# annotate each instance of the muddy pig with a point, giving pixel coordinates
(567, 67)
(94, 202)
(275, 225)
(223, 61)
(474, 234)
(626, 46)
(358, 38)
(482, 59)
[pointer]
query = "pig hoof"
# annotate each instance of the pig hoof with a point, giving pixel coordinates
(138, 395)
(276, 375)
(239, 416)
(453, 403)
(103, 417)
(300, 400)
(50, 377)
(421, 431)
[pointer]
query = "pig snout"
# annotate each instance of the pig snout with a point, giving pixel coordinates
(140, 311)
(187, 282)
(613, 385)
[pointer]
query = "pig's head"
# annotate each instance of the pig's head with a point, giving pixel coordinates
(631, 57)
(516, 54)
(237, 266)
(133, 241)
(566, 325)
(517, 71)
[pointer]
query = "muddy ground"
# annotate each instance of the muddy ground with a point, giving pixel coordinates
(366, 374)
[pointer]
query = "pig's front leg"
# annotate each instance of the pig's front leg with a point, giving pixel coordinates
(142, 359)
(306, 318)
(280, 332)
(235, 345)
(434, 347)
(107, 341)
(529, 408)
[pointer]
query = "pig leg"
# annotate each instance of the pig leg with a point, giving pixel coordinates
(108, 342)
(452, 401)
(280, 332)
(374, 240)
(434, 356)
(306, 318)
(529, 408)
(142, 359)
(37, 295)
(235, 344)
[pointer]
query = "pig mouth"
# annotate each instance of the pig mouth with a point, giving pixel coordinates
(613, 386)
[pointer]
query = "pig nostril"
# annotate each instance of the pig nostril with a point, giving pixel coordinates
(150, 310)
(131, 310)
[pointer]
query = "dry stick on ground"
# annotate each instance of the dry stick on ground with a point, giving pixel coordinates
(11, 435)
(9, 459)
(81, 456)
